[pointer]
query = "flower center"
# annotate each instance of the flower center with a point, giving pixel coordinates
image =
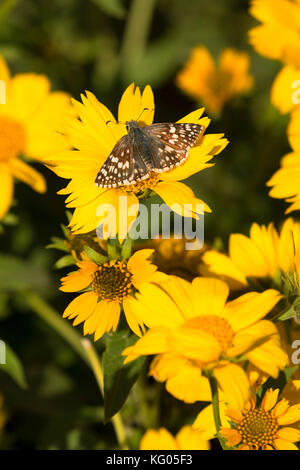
(113, 281)
(141, 186)
(215, 326)
(12, 138)
(258, 429)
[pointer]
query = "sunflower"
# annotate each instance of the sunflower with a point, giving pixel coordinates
(215, 86)
(278, 37)
(27, 127)
(264, 426)
(199, 333)
(265, 254)
(285, 182)
(186, 439)
(107, 287)
(94, 134)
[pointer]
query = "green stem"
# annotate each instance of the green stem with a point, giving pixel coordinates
(215, 400)
(215, 404)
(52, 317)
(81, 345)
(136, 32)
(98, 373)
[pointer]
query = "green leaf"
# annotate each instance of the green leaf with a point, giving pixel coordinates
(94, 255)
(127, 248)
(118, 378)
(64, 262)
(13, 366)
(111, 7)
(113, 249)
(17, 274)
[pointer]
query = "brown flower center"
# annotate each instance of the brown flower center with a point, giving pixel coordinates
(12, 138)
(113, 281)
(258, 429)
(216, 326)
(141, 186)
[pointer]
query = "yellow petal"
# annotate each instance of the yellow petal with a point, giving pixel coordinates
(134, 106)
(253, 337)
(161, 439)
(232, 436)
(195, 344)
(155, 341)
(281, 444)
(108, 317)
(164, 366)
(154, 307)
(190, 439)
(289, 434)
(251, 307)
(189, 385)
(291, 416)
(4, 71)
(43, 138)
(209, 296)
(28, 175)
(282, 89)
(247, 256)
(270, 399)
(134, 322)
(26, 93)
(219, 265)
(234, 383)
(205, 420)
(180, 198)
(269, 358)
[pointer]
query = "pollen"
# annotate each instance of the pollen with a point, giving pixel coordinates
(258, 429)
(141, 186)
(113, 281)
(12, 138)
(216, 326)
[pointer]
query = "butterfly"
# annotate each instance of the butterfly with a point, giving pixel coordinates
(146, 150)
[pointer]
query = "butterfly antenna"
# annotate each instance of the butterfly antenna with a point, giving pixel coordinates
(145, 109)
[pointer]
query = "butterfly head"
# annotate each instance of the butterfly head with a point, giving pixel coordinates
(131, 125)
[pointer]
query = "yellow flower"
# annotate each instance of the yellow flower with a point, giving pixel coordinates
(106, 288)
(264, 427)
(264, 254)
(172, 257)
(27, 127)
(95, 134)
(286, 181)
(186, 439)
(215, 85)
(278, 37)
(193, 331)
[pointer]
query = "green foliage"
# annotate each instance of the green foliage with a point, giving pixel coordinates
(13, 367)
(118, 378)
(111, 7)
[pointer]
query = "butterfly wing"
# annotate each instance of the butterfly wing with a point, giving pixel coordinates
(123, 166)
(170, 143)
(181, 136)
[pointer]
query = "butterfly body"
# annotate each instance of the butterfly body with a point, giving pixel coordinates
(146, 150)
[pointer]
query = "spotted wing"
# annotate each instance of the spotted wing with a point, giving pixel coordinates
(171, 142)
(123, 166)
(181, 136)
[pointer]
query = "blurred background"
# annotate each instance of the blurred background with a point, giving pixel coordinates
(102, 46)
